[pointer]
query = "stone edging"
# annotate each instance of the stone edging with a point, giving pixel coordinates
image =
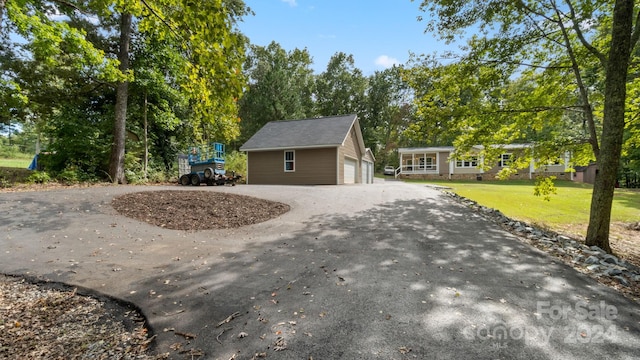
(590, 260)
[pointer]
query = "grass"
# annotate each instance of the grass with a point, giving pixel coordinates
(21, 161)
(569, 207)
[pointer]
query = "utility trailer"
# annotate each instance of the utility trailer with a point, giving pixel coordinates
(204, 165)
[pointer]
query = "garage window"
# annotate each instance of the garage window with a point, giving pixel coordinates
(289, 161)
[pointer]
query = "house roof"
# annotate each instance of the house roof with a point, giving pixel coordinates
(451, 148)
(305, 133)
(427, 149)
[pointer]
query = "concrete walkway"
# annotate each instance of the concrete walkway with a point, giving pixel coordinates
(383, 271)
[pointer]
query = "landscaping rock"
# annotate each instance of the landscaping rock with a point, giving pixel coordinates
(622, 280)
(593, 268)
(592, 260)
(612, 272)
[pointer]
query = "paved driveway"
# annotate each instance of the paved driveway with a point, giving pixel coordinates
(383, 271)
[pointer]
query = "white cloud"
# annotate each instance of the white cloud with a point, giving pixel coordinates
(386, 61)
(291, 3)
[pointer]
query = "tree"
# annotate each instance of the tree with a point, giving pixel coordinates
(281, 84)
(550, 37)
(386, 112)
(340, 89)
(116, 162)
(205, 34)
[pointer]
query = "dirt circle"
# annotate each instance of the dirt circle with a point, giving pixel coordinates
(197, 210)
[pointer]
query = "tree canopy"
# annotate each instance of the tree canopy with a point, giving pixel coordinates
(538, 71)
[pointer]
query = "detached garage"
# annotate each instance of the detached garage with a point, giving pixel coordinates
(320, 151)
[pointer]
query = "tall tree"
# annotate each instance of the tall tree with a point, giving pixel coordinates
(386, 112)
(281, 84)
(340, 89)
(211, 48)
(549, 36)
(116, 162)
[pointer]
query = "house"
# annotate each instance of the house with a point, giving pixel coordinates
(440, 163)
(320, 151)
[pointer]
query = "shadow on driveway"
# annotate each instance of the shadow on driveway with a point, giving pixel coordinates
(422, 278)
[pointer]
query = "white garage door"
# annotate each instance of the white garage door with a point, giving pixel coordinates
(367, 172)
(350, 167)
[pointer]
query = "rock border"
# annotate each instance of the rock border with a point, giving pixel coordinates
(590, 260)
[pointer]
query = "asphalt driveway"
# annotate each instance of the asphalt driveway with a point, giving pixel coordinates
(383, 271)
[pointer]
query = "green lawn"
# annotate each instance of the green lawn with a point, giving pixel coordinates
(21, 161)
(569, 207)
(15, 163)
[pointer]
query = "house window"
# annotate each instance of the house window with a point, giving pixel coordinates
(430, 164)
(505, 160)
(469, 163)
(289, 161)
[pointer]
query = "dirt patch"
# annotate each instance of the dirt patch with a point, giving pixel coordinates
(197, 210)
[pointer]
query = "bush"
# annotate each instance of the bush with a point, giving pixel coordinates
(39, 177)
(74, 174)
(236, 161)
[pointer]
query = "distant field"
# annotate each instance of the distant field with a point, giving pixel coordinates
(16, 163)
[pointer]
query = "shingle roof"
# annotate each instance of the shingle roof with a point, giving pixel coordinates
(288, 134)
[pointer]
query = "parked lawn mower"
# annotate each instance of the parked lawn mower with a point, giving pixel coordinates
(205, 165)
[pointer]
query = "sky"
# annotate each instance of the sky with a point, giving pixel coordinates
(378, 33)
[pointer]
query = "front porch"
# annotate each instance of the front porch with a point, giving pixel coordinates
(421, 161)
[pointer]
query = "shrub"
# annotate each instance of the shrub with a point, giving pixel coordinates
(236, 161)
(39, 177)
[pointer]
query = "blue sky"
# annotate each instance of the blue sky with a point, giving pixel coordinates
(378, 33)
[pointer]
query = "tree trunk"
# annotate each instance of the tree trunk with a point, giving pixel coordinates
(116, 162)
(2, 6)
(613, 125)
(145, 166)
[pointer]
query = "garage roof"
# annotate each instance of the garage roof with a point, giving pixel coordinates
(304, 133)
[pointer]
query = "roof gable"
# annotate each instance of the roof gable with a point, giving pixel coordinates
(304, 133)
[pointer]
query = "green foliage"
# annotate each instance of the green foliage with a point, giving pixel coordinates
(73, 174)
(340, 89)
(281, 85)
(39, 177)
(9, 151)
(545, 187)
(236, 161)
(386, 112)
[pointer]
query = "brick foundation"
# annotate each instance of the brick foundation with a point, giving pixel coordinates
(483, 177)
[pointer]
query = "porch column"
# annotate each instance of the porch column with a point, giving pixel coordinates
(452, 164)
(531, 169)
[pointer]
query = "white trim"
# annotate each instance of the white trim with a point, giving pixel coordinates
(470, 161)
(292, 161)
(502, 165)
(338, 167)
(246, 176)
